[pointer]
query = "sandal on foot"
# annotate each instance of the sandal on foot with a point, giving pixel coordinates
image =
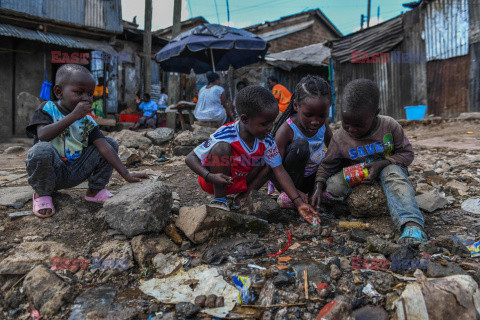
(100, 197)
(42, 203)
(220, 203)
(413, 236)
(284, 201)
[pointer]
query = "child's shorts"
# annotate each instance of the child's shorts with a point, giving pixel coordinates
(239, 185)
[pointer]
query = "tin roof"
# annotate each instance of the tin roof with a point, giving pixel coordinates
(313, 55)
(8, 30)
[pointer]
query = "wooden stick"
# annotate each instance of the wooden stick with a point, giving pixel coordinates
(274, 305)
(305, 278)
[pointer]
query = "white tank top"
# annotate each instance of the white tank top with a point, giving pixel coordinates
(315, 144)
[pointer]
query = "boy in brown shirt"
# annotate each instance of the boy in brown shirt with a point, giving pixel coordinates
(380, 142)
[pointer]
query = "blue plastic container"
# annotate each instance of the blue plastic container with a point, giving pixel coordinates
(415, 112)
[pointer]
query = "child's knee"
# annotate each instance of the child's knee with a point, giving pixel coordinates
(337, 186)
(393, 172)
(113, 143)
(41, 151)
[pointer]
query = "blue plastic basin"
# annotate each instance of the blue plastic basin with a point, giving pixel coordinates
(415, 112)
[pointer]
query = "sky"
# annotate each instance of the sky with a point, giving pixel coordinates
(345, 14)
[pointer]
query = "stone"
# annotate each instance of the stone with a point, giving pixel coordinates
(156, 151)
(220, 302)
(376, 244)
(186, 310)
(111, 258)
(14, 150)
(437, 270)
(15, 196)
(358, 235)
(429, 247)
(182, 150)
(199, 127)
(267, 294)
(370, 313)
(306, 231)
(189, 138)
(160, 135)
(424, 188)
(431, 201)
(316, 271)
(367, 201)
(47, 291)
(381, 281)
(131, 139)
(124, 314)
(202, 223)
(405, 259)
(168, 263)
(200, 300)
(281, 314)
(211, 301)
(129, 156)
(97, 299)
(335, 310)
(139, 208)
(456, 188)
(283, 279)
(145, 248)
(28, 255)
(335, 272)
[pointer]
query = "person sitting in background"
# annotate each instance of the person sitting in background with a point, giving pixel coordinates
(212, 105)
(280, 93)
(163, 100)
(149, 118)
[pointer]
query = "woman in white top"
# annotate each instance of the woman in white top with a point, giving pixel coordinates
(211, 105)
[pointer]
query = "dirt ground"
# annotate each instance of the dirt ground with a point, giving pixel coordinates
(450, 149)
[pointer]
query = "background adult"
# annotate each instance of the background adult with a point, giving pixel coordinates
(149, 118)
(211, 105)
(280, 93)
(163, 99)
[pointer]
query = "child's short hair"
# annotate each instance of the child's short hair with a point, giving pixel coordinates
(361, 94)
(252, 100)
(65, 72)
(146, 96)
(308, 86)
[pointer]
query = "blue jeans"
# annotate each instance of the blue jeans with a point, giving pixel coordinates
(397, 188)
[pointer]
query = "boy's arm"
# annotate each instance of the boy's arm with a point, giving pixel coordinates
(403, 154)
(328, 133)
(305, 210)
(50, 131)
(111, 156)
(195, 165)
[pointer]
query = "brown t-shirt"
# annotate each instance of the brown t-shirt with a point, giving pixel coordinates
(387, 141)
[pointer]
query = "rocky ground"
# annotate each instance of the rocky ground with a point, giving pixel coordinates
(154, 249)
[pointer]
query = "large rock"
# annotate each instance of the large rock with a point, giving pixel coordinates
(261, 205)
(189, 138)
(139, 208)
(15, 196)
(47, 291)
(131, 139)
(182, 150)
(145, 248)
(376, 244)
(203, 223)
(28, 255)
(160, 135)
(129, 156)
(367, 201)
(431, 201)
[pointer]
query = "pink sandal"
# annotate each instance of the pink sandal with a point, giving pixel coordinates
(42, 203)
(101, 196)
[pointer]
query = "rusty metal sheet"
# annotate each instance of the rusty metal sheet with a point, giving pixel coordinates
(448, 86)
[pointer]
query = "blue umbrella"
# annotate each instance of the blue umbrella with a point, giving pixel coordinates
(211, 47)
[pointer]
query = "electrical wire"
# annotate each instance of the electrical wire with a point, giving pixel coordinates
(216, 9)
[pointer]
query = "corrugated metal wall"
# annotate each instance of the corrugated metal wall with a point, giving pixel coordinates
(102, 14)
(446, 29)
(474, 38)
(447, 87)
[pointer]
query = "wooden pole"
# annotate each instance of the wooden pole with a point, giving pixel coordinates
(147, 47)
(177, 15)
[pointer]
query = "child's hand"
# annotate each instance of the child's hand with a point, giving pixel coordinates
(307, 213)
(317, 195)
(374, 169)
(82, 109)
(220, 179)
(137, 177)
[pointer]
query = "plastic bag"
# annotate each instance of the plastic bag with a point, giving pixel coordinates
(243, 285)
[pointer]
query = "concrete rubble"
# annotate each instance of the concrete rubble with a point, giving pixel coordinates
(156, 249)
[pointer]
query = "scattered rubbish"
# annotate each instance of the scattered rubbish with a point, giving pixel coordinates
(254, 266)
(315, 221)
(335, 309)
(243, 285)
(469, 132)
(370, 291)
(168, 263)
(453, 297)
(19, 214)
(472, 205)
(474, 249)
(281, 267)
(353, 225)
(238, 248)
(35, 314)
(284, 259)
(294, 246)
(162, 159)
(173, 290)
(172, 232)
(273, 255)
